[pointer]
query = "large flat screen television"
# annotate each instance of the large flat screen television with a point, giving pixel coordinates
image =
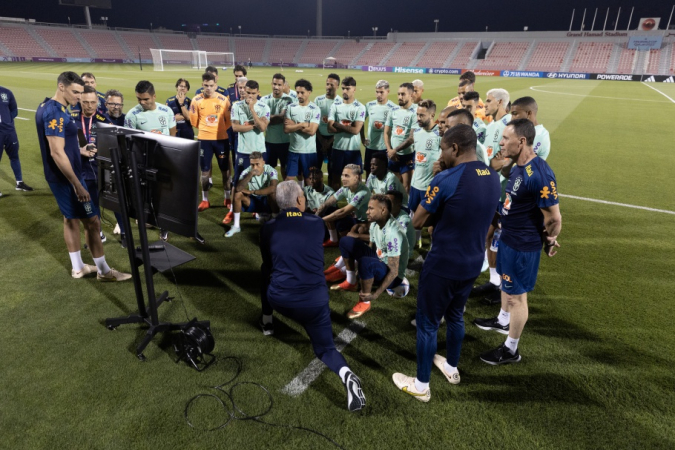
(169, 174)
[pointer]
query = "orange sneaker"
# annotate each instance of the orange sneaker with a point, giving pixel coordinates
(330, 243)
(203, 205)
(336, 276)
(227, 203)
(228, 218)
(345, 286)
(330, 270)
(358, 310)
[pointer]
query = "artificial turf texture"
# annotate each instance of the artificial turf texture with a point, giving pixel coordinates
(598, 349)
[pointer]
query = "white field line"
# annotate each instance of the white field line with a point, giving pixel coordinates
(652, 87)
(625, 205)
(24, 109)
(534, 88)
(21, 118)
(300, 383)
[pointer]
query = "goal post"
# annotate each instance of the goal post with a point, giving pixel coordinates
(168, 59)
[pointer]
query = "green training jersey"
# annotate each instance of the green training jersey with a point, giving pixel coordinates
(479, 127)
(493, 134)
(481, 154)
(542, 142)
(275, 133)
(427, 151)
(391, 241)
(405, 221)
(254, 140)
(316, 198)
(324, 103)
(347, 114)
(390, 183)
(402, 121)
(261, 181)
(358, 199)
(377, 116)
(301, 142)
(159, 120)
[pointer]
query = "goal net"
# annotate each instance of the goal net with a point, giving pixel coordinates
(167, 59)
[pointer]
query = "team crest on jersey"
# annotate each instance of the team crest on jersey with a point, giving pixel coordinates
(308, 116)
(406, 120)
(217, 108)
(162, 121)
(4, 97)
(386, 114)
(430, 144)
(516, 184)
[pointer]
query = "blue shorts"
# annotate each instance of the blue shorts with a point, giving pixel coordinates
(241, 163)
(415, 198)
(92, 187)
(277, 154)
(517, 269)
(257, 205)
(10, 143)
(373, 268)
(186, 133)
(405, 163)
(220, 148)
(300, 160)
(70, 207)
(340, 158)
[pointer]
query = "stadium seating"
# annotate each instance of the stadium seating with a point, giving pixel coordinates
(462, 58)
(104, 44)
(405, 54)
(654, 61)
(63, 42)
(316, 51)
(283, 50)
(135, 41)
(592, 57)
(174, 41)
(626, 61)
(348, 51)
(504, 55)
(21, 43)
(436, 54)
(671, 69)
(548, 56)
(249, 48)
(373, 56)
(213, 43)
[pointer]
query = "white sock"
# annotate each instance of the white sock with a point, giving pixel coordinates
(351, 277)
(421, 387)
(333, 235)
(494, 277)
(448, 368)
(340, 263)
(211, 180)
(101, 265)
(503, 318)
(205, 196)
(76, 261)
(344, 370)
(18, 182)
(511, 344)
(267, 319)
(236, 219)
(418, 235)
(227, 194)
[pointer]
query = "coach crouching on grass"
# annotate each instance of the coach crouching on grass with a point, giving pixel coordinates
(294, 285)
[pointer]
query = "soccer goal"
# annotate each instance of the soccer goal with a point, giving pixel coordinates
(330, 63)
(167, 59)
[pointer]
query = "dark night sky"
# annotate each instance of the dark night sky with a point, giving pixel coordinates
(358, 16)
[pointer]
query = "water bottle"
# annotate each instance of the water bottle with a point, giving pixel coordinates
(494, 245)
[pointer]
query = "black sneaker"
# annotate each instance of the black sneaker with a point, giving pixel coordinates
(103, 238)
(21, 186)
(491, 324)
(500, 355)
(267, 328)
(355, 398)
(123, 240)
(164, 235)
(486, 288)
(494, 298)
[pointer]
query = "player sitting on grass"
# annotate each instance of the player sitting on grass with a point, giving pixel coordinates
(316, 191)
(356, 194)
(255, 191)
(381, 180)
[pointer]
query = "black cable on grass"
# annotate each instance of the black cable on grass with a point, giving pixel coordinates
(236, 413)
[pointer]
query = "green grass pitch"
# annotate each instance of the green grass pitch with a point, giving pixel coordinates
(598, 350)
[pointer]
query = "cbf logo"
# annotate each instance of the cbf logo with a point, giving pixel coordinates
(516, 184)
(162, 121)
(406, 120)
(3, 96)
(87, 207)
(308, 116)
(352, 115)
(430, 144)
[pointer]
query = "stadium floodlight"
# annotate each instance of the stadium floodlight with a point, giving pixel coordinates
(167, 59)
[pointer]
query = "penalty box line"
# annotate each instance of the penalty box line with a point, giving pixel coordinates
(301, 382)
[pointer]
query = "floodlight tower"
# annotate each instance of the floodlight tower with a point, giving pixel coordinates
(319, 18)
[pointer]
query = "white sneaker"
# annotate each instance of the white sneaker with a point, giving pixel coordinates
(407, 385)
(233, 231)
(439, 361)
(86, 270)
(117, 229)
(113, 275)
